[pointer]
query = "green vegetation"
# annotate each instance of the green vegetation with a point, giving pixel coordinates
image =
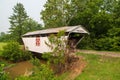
(12, 52)
(40, 72)
(1, 47)
(100, 68)
(20, 23)
(4, 37)
(17, 21)
(3, 75)
(60, 55)
(100, 17)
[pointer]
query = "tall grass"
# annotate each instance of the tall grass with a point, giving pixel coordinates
(100, 68)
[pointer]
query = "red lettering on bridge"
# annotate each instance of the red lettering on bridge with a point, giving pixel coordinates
(37, 41)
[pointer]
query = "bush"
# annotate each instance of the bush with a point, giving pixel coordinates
(111, 44)
(43, 72)
(13, 52)
(3, 75)
(22, 78)
(35, 61)
(25, 55)
(40, 72)
(86, 43)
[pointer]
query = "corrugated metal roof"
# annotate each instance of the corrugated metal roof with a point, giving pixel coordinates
(75, 29)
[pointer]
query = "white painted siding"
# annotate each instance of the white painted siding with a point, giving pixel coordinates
(30, 44)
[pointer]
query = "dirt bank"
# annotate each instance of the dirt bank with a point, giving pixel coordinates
(19, 69)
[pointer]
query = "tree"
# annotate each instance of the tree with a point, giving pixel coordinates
(4, 37)
(60, 12)
(62, 56)
(17, 21)
(31, 25)
(117, 14)
(97, 16)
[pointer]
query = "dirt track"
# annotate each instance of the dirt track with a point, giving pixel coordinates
(105, 53)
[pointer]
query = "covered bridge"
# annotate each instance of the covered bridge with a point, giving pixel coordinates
(35, 41)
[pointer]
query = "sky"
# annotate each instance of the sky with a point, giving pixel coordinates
(32, 7)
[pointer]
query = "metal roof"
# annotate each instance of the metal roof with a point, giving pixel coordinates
(74, 29)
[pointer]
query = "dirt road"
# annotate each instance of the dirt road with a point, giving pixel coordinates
(105, 53)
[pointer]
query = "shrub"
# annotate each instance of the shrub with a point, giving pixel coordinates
(43, 72)
(25, 55)
(35, 61)
(12, 52)
(3, 75)
(40, 72)
(22, 78)
(111, 44)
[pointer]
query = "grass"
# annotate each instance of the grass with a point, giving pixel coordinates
(100, 68)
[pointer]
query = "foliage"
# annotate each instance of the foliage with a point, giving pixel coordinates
(2, 44)
(3, 74)
(23, 78)
(31, 25)
(35, 61)
(60, 12)
(4, 37)
(97, 16)
(12, 52)
(41, 72)
(100, 68)
(86, 43)
(111, 44)
(17, 21)
(98, 19)
(21, 23)
(116, 13)
(58, 45)
(25, 55)
(60, 56)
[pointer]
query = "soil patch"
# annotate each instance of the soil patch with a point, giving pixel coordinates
(19, 69)
(76, 69)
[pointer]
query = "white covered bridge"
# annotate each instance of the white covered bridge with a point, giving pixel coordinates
(35, 41)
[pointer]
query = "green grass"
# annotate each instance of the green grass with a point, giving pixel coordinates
(100, 68)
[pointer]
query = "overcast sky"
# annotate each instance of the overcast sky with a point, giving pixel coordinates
(32, 7)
